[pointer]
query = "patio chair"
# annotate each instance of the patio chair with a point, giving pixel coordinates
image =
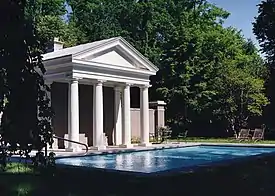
(165, 134)
(181, 137)
(244, 134)
(258, 135)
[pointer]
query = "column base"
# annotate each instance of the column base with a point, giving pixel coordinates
(97, 148)
(145, 144)
(73, 149)
(126, 146)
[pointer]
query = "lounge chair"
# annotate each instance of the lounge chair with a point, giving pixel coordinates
(165, 134)
(244, 134)
(258, 135)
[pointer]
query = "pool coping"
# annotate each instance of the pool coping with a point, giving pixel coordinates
(174, 171)
(129, 150)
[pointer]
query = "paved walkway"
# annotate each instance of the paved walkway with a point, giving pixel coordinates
(116, 149)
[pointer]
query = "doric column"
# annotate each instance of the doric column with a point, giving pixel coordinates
(126, 117)
(98, 136)
(144, 116)
(118, 117)
(94, 114)
(73, 115)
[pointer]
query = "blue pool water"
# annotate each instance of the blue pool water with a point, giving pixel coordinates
(164, 159)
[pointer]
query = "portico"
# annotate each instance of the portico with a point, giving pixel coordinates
(111, 63)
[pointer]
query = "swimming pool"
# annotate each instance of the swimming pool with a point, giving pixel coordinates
(160, 160)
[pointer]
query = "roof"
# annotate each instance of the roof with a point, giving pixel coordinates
(85, 48)
(74, 50)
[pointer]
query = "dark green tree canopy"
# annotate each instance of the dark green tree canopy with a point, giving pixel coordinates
(208, 74)
(264, 28)
(26, 113)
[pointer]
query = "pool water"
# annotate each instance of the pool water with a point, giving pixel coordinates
(163, 159)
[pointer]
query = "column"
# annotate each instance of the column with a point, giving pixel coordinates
(94, 115)
(69, 118)
(117, 117)
(98, 136)
(73, 115)
(126, 118)
(144, 116)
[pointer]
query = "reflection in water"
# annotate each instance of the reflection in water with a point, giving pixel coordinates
(119, 162)
(100, 162)
(128, 159)
(70, 161)
(165, 159)
(148, 159)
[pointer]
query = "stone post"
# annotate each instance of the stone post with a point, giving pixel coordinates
(159, 107)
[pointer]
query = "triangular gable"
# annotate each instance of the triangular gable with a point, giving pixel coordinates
(114, 58)
(116, 52)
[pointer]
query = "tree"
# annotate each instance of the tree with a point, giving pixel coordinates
(48, 18)
(195, 53)
(210, 73)
(25, 124)
(263, 28)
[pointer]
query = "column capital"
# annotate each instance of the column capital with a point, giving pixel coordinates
(118, 88)
(128, 85)
(74, 80)
(146, 86)
(99, 82)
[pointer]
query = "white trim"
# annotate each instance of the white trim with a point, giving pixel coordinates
(122, 45)
(72, 65)
(58, 60)
(112, 78)
(135, 52)
(112, 67)
(113, 42)
(95, 49)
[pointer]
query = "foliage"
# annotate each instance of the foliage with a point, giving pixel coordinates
(47, 17)
(25, 124)
(263, 28)
(208, 74)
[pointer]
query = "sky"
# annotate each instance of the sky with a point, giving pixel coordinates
(242, 14)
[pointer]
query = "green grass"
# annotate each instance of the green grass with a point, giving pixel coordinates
(255, 177)
(18, 168)
(17, 179)
(221, 140)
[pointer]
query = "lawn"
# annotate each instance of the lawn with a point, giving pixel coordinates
(246, 178)
(221, 140)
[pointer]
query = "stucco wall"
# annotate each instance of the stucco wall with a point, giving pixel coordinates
(135, 117)
(60, 104)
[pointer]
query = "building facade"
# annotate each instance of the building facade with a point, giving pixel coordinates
(99, 92)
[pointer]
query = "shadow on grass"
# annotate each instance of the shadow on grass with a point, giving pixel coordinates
(246, 178)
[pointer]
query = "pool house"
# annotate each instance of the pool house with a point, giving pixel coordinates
(99, 92)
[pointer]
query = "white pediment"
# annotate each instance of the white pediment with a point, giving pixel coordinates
(112, 58)
(113, 54)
